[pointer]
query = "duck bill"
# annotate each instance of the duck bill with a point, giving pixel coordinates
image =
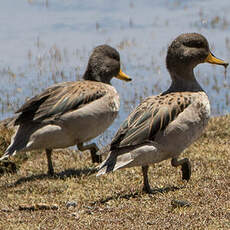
(214, 60)
(122, 76)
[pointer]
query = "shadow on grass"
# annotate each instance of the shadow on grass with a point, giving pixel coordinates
(61, 175)
(137, 194)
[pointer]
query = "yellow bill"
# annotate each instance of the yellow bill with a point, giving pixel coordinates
(123, 76)
(213, 60)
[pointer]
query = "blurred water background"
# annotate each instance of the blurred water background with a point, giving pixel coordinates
(43, 42)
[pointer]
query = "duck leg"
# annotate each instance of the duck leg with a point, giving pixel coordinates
(185, 167)
(49, 160)
(93, 150)
(146, 187)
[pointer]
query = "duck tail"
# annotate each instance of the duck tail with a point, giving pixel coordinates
(18, 141)
(12, 148)
(9, 152)
(107, 165)
(116, 159)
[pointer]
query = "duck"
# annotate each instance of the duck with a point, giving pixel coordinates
(163, 126)
(71, 113)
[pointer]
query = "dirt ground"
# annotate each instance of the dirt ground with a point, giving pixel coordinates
(76, 199)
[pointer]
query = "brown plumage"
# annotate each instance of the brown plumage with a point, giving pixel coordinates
(59, 99)
(71, 113)
(150, 117)
(162, 126)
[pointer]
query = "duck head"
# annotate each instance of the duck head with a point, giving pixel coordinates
(104, 64)
(186, 52)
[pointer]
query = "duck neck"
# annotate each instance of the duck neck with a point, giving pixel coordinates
(88, 75)
(91, 75)
(184, 81)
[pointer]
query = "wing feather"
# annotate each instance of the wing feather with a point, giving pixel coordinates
(59, 99)
(151, 116)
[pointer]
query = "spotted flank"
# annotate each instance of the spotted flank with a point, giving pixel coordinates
(150, 117)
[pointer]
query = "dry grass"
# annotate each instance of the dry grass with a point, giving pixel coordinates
(115, 201)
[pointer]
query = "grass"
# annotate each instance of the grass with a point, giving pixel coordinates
(76, 199)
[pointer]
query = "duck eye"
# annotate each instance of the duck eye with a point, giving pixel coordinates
(115, 56)
(194, 44)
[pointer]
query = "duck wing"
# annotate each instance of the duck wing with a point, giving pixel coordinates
(59, 99)
(152, 116)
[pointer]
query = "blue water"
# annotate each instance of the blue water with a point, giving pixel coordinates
(48, 41)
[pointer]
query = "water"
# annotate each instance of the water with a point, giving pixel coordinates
(48, 41)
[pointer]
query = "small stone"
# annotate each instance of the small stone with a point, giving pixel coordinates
(180, 203)
(71, 204)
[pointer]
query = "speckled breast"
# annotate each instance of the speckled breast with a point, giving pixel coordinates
(187, 127)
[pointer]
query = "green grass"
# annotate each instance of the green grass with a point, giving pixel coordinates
(116, 201)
